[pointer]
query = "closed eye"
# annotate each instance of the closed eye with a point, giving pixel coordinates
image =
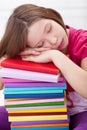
(41, 44)
(48, 28)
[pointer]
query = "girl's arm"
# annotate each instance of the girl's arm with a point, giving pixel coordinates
(75, 76)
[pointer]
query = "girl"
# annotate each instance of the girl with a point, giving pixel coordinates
(39, 34)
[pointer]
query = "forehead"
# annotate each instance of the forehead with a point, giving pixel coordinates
(35, 32)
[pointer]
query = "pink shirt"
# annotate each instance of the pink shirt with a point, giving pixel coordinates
(77, 51)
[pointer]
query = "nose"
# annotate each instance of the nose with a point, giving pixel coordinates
(53, 40)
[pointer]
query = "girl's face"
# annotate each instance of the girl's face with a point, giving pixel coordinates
(47, 34)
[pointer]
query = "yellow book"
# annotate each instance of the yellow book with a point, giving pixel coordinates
(37, 118)
(39, 110)
(18, 99)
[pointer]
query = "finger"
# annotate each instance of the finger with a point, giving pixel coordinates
(34, 51)
(2, 59)
(28, 58)
(41, 49)
(29, 52)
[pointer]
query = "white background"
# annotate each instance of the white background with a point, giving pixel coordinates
(74, 13)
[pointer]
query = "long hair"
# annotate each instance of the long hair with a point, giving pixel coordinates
(15, 36)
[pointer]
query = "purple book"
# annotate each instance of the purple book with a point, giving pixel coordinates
(39, 122)
(61, 85)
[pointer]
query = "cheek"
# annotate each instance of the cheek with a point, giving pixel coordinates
(66, 40)
(47, 45)
(28, 44)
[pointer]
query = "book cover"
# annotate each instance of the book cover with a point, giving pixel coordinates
(60, 108)
(36, 104)
(39, 122)
(40, 125)
(49, 95)
(28, 75)
(37, 114)
(18, 63)
(44, 128)
(33, 91)
(13, 80)
(26, 101)
(34, 118)
(40, 108)
(35, 85)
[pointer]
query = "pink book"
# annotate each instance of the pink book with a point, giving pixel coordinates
(28, 75)
(13, 80)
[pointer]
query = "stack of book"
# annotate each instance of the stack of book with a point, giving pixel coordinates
(34, 95)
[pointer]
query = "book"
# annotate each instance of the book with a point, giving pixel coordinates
(44, 128)
(37, 114)
(40, 125)
(18, 63)
(49, 95)
(36, 118)
(28, 75)
(35, 85)
(12, 80)
(36, 104)
(32, 92)
(39, 122)
(59, 108)
(28, 101)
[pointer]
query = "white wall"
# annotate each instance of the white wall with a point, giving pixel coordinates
(73, 12)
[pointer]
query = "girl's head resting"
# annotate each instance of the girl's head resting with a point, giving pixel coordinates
(14, 39)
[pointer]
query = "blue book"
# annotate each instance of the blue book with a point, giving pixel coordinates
(51, 95)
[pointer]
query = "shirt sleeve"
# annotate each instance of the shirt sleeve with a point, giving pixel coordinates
(84, 51)
(81, 47)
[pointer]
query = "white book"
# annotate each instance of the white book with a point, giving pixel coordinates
(28, 75)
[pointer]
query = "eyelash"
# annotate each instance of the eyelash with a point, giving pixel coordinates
(41, 45)
(50, 28)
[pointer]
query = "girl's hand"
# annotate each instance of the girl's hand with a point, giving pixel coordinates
(1, 59)
(43, 57)
(33, 51)
(1, 82)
